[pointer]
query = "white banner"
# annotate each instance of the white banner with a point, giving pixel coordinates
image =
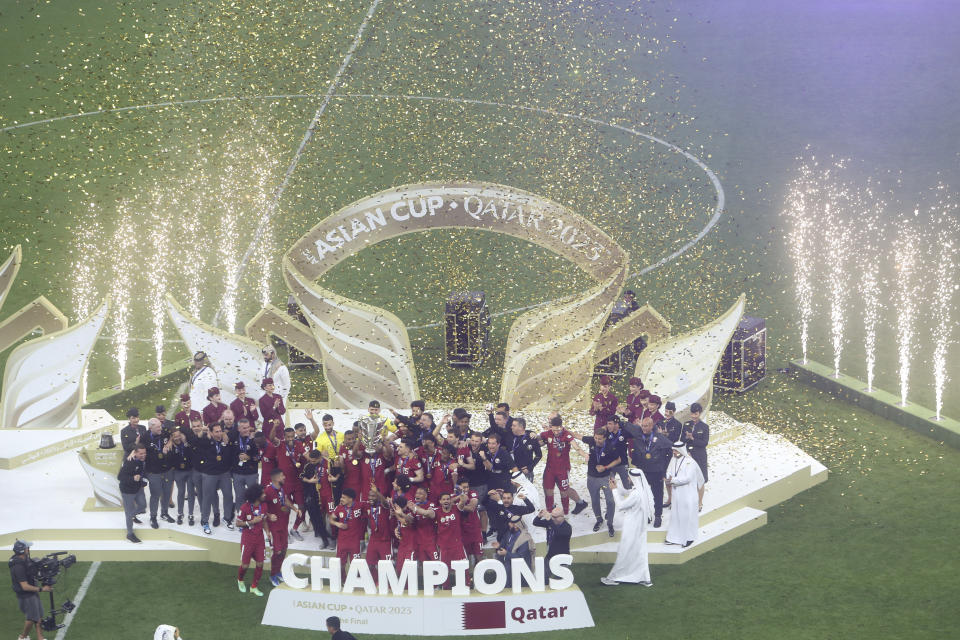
(438, 615)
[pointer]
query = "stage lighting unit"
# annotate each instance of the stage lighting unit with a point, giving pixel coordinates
(744, 361)
(467, 328)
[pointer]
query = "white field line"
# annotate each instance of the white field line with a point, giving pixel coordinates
(81, 592)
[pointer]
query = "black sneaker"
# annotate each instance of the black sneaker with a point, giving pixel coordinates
(154, 524)
(216, 519)
(580, 507)
(610, 529)
(166, 517)
(179, 518)
(657, 522)
(132, 538)
(230, 525)
(190, 519)
(598, 524)
(135, 520)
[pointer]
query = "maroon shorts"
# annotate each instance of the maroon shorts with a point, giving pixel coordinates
(453, 553)
(553, 478)
(279, 538)
(378, 550)
(474, 549)
(347, 552)
(251, 549)
(427, 553)
(404, 554)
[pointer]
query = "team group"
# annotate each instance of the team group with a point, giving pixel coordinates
(428, 491)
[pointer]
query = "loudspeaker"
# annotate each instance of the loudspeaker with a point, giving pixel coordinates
(467, 328)
(744, 361)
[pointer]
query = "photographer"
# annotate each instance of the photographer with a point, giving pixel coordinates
(25, 586)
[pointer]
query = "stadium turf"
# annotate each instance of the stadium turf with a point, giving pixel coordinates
(869, 553)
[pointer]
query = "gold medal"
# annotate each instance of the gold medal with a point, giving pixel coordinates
(219, 458)
(355, 462)
(297, 465)
(160, 456)
(648, 456)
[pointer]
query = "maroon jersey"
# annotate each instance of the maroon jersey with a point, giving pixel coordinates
(470, 520)
(246, 408)
(183, 418)
(427, 459)
(608, 407)
(449, 528)
(351, 516)
(380, 521)
(408, 467)
(381, 471)
(213, 412)
(272, 410)
(289, 458)
(251, 532)
(426, 526)
(441, 478)
(558, 450)
(356, 476)
(277, 506)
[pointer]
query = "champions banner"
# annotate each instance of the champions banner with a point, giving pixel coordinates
(366, 351)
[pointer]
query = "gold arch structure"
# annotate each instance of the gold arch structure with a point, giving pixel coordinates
(366, 351)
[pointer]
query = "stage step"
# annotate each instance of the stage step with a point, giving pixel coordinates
(712, 535)
(120, 548)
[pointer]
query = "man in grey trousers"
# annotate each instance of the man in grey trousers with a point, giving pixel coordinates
(132, 481)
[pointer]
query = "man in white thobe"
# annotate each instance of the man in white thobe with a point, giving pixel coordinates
(274, 368)
(202, 378)
(530, 492)
(685, 477)
(636, 504)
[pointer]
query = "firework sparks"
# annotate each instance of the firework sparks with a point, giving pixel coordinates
(869, 285)
(800, 241)
(157, 269)
(839, 245)
(945, 217)
(122, 249)
(905, 259)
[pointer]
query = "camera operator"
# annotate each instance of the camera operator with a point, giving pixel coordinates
(25, 586)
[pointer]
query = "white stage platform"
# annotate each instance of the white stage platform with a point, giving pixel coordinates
(50, 499)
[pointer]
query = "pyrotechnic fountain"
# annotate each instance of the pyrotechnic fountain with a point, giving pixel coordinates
(905, 248)
(866, 253)
(800, 239)
(848, 220)
(947, 233)
(157, 271)
(124, 253)
(836, 212)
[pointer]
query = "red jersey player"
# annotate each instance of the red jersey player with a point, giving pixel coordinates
(348, 517)
(472, 536)
(252, 521)
(604, 403)
(382, 469)
(424, 515)
(381, 523)
(556, 472)
(408, 464)
(279, 506)
(405, 531)
(449, 530)
(444, 472)
(289, 458)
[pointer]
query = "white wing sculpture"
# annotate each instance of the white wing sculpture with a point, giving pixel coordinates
(43, 379)
(235, 358)
(681, 369)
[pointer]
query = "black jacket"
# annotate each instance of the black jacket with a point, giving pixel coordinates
(558, 535)
(650, 453)
(128, 436)
(129, 469)
(526, 451)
